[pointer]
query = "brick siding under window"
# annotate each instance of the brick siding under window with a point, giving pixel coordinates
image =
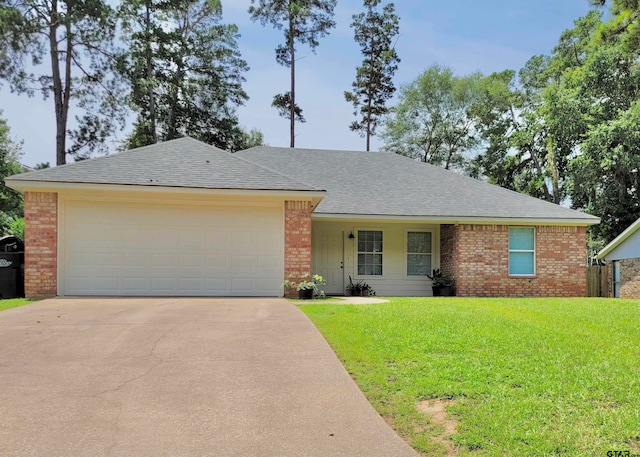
(478, 255)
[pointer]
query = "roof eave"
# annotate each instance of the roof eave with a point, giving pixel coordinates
(617, 241)
(57, 186)
(583, 222)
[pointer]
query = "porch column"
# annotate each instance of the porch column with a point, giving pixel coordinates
(41, 244)
(297, 241)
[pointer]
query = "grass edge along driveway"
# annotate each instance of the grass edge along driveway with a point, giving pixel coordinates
(519, 377)
(13, 303)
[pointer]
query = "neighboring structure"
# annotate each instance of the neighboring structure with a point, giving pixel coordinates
(185, 218)
(623, 255)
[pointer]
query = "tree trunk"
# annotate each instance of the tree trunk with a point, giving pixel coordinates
(292, 51)
(369, 91)
(369, 119)
(61, 124)
(152, 101)
(172, 129)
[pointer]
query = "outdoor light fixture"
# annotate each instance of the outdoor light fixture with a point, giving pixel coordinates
(351, 236)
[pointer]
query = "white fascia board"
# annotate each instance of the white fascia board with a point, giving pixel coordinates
(461, 220)
(619, 239)
(46, 186)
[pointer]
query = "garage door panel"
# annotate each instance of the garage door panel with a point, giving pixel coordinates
(134, 249)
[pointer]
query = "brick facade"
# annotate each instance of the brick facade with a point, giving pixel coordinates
(297, 240)
(41, 244)
(630, 278)
(478, 256)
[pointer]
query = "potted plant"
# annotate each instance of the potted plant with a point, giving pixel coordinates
(359, 289)
(441, 284)
(306, 285)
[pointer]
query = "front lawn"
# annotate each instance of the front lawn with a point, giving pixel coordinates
(13, 303)
(525, 377)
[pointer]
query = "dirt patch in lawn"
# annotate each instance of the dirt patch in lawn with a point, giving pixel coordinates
(436, 411)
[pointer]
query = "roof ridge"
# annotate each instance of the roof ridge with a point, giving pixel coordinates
(312, 149)
(118, 154)
(275, 171)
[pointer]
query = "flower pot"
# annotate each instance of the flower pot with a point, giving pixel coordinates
(305, 294)
(364, 293)
(442, 291)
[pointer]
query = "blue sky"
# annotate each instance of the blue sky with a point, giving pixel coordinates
(465, 35)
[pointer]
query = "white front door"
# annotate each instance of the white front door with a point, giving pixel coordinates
(328, 259)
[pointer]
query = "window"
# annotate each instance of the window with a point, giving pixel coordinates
(522, 251)
(418, 253)
(369, 252)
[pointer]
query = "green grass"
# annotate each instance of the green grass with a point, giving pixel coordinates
(531, 377)
(13, 303)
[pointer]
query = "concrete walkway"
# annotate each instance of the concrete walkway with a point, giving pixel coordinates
(178, 378)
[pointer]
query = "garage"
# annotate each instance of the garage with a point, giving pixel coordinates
(156, 249)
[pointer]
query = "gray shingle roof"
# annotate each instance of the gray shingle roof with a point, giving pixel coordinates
(184, 162)
(357, 183)
(385, 184)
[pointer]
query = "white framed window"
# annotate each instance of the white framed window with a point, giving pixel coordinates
(419, 253)
(522, 251)
(370, 251)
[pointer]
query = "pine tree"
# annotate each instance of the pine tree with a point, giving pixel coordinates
(185, 71)
(71, 42)
(374, 31)
(303, 21)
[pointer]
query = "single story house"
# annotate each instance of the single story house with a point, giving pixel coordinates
(623, 254)
(185, 218)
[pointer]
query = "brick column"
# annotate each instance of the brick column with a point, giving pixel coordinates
(449, 249)
(41, 244)
(297, 240)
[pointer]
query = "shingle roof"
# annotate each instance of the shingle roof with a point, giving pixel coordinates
(385, 184)
(184, 162)
(356, 183)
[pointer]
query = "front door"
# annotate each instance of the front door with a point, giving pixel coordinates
(329, 260)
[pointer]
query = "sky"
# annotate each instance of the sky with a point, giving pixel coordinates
(465, 35)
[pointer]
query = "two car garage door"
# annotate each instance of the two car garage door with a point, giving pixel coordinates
(145, 249)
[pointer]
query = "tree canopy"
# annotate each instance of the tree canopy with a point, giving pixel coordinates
(432, 121)
(11, 202)
(64, 49)
(185, 72)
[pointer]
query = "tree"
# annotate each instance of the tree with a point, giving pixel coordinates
(11, 202)
(533, 125)
(282, 102)
(304, 22)
(251, 139)
(432, 120)
(185, 71)
(374, 32)
(76, 40)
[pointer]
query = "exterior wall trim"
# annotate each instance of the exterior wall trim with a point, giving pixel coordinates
(579, 222)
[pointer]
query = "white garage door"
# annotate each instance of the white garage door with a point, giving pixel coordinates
(141, 249)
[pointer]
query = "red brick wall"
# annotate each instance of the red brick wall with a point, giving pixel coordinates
(449, 249)
(629, 278)
(297, 240)
(41, 244)
(481, 262)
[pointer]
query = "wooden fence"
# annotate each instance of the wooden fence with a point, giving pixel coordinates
(598, 281)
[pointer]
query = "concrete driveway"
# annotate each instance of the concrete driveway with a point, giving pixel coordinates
(178, 378)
